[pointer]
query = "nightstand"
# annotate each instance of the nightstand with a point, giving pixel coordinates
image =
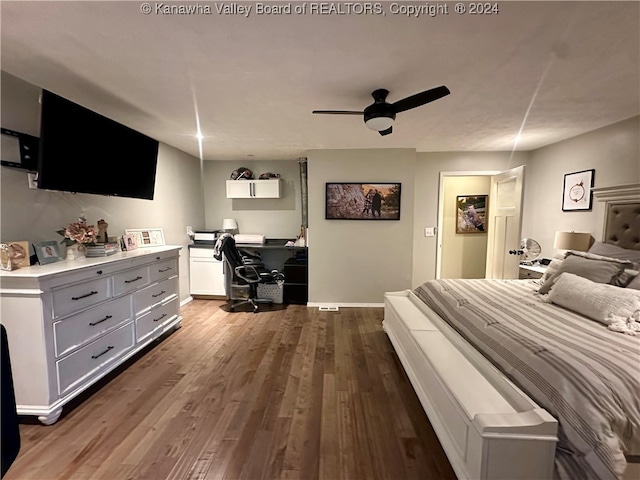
(532, 271)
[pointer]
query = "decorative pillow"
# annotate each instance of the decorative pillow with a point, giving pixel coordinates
(626, 277)
(556, 261)
(593, 256)
(598, 301)
(598, 271)
(635, 283)
(613, 251)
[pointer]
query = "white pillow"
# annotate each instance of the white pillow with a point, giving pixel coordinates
(598, 301)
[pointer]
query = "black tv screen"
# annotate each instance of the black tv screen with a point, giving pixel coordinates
(82, 151)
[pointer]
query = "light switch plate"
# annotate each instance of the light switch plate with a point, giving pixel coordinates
(430, 231)
(33, 180)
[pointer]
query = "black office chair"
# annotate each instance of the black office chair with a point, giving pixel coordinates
(246, 273)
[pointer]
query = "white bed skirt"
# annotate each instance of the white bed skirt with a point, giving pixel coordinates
(488, 428)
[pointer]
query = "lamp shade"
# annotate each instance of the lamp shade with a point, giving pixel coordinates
(379, 123)
(572, 241)
(229, 224)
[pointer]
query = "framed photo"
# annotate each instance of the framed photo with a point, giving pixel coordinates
(146, 237)
(129, 242)
(47, 252)
(17, 254)
(577, 193)
(362, 201)
(471, 211)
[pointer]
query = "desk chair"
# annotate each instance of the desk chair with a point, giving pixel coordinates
(246, 274)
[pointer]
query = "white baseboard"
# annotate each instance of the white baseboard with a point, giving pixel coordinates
(186, 300)
(330, 306)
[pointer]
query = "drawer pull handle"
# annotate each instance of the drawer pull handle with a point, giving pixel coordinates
(158, 294)
(99, 272)
(110, 347)
(134, 280)
(160, 318)
(164, 269)
(84, 296)
(93, 324)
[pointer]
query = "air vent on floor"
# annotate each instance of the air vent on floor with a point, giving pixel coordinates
(328, 308)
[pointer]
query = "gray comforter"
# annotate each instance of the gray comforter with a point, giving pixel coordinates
(583, 374)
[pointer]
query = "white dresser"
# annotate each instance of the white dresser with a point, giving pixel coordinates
(70, 323)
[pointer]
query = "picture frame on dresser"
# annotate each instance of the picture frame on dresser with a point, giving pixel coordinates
(47, 252)
(129, 242)
(147, 237)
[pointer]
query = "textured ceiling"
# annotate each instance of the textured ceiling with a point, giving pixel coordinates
(550, 70)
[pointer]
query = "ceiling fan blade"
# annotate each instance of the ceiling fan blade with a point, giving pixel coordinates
(420, 99)
(386, 132)
(338, 112)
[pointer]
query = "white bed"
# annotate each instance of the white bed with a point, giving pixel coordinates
(553, 393)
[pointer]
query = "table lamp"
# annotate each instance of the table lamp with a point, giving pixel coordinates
(572, 241)
(230, 225)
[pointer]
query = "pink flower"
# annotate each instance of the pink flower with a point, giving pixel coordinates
(79, 232)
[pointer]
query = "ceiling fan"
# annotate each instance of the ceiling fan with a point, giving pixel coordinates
(379, 116)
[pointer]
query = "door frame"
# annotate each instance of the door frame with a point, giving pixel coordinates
(460, 173)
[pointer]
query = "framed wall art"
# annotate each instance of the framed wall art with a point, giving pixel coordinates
(362, 201)
(577, 191)
(146, 237)
(471, 213)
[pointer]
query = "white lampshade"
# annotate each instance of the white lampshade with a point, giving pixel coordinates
(229, 224)
(572, 241)
(379, 123)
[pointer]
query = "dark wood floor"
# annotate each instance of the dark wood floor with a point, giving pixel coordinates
(290, 393)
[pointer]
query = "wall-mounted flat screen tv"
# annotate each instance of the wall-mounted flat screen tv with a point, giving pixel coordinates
(82, 151)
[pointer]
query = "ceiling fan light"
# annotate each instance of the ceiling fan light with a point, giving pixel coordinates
(379, 124)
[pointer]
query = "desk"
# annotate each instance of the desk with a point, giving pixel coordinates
(292, 261)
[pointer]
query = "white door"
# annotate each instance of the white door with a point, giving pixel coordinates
(505, 223)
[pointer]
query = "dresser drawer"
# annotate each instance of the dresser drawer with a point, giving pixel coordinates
(83, 295)
(130, 280)
(74, 331)
(75, 369)
(155, 294)
(156, 318)
(165, 269)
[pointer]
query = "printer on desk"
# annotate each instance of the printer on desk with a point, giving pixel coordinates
(206, 237)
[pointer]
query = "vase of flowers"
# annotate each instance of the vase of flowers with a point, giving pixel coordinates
(77, 236)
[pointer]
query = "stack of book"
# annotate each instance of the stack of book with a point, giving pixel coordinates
(101, 249)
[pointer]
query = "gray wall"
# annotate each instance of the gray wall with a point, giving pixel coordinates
(273, 217)
(614, 153)
(356, 261)
(35, 215)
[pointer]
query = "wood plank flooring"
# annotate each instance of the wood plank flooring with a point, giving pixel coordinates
(289, 393)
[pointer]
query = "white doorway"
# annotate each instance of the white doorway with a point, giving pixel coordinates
(460, 255)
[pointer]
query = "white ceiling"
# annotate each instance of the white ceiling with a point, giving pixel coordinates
(554, 69)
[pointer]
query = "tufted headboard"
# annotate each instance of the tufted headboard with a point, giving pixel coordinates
(622, 225)
(621, 215)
